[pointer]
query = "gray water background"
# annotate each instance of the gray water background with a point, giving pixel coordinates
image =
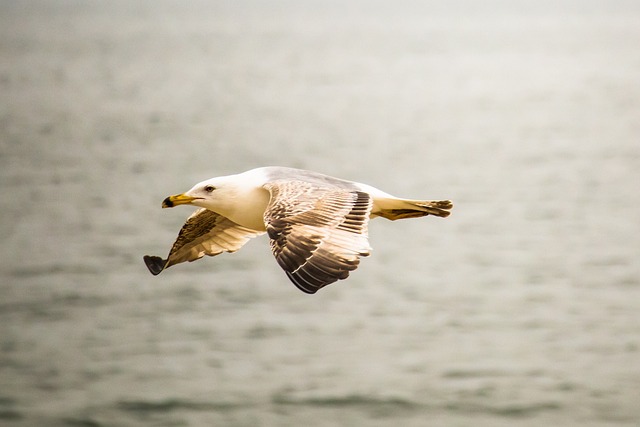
(522, 308)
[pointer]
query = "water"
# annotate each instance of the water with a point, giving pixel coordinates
(521, 308)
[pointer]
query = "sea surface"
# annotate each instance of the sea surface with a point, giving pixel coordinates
(521, 308)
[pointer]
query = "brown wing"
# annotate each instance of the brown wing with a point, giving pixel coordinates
(204, 233)
(317, 235)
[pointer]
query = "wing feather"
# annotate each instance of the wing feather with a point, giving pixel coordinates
(318, 234)
(204, 233)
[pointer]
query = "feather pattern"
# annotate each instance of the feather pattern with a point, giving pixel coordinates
(204, 233)
(317, 234)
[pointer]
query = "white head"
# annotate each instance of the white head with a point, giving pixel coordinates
(216, 194)
(240, 198)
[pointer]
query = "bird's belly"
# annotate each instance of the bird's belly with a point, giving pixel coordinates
(254, 223)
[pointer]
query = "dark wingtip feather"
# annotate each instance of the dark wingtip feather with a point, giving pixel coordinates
(302, 286)
(155, 264)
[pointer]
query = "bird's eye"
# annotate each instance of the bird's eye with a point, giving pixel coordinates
(209, 188)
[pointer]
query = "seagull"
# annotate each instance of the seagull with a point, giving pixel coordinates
(317, 224)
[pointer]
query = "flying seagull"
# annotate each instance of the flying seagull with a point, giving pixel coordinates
(318, 225)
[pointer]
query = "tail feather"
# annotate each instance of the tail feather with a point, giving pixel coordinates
(402, 209)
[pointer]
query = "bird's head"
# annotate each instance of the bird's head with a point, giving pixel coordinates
(214, 194)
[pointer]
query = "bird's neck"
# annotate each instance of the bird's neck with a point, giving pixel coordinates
(247, 208)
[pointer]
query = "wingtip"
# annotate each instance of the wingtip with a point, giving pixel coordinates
(309, 290)
(155, 264)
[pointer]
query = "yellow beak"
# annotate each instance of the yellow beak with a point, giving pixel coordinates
(178, 199)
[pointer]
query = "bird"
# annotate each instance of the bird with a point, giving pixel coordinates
(317, 224)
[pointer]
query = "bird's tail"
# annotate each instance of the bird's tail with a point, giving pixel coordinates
(403, 208)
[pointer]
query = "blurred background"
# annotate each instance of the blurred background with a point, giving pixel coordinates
(523, 307)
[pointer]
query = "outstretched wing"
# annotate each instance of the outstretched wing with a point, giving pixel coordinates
(204, 233)
(317, 234)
